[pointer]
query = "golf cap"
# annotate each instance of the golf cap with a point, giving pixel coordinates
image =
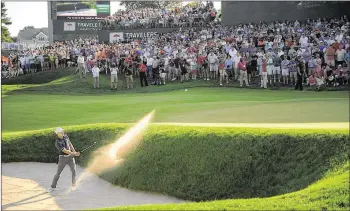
(58, 130)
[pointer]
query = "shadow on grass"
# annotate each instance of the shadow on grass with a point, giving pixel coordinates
(64, 81)
(39, 77)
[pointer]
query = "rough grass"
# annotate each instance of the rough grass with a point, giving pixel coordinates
(329, 193)
(201, 164)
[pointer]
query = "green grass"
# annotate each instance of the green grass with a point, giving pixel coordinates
(329, 193)
(220, 168)
(61, 99)
(204, 164)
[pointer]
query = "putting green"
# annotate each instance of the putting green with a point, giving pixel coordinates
(60, 98)
(198, 105)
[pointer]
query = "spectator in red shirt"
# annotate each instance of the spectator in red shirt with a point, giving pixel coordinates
(330, 54)
(142, 70)
(242, 66)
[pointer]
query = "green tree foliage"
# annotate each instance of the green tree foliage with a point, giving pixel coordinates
(5, 21)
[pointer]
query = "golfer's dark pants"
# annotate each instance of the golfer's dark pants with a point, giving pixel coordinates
(143, 78)
(299, 84)
(62, 162)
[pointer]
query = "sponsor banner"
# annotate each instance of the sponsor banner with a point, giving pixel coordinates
(69, 26)
(116, 37)
(140, 35)
(89, 26)
(132, 34)
(82, 26)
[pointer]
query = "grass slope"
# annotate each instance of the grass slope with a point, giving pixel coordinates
(63, 81)
(201, 164)
(329, 193)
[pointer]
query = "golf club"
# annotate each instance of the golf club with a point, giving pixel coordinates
(88, 147)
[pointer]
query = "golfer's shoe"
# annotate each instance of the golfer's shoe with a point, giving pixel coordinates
(50, 189)
(73, 188)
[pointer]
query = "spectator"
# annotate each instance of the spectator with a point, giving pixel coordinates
(129, 78)
(143, 77)
(264, 74)
(340, 53)
(114, 77)
(242, 66)
(96, 76)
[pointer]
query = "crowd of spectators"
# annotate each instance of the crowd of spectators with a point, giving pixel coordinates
(284, 53)
(196, 15)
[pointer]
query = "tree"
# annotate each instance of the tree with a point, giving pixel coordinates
(129, 5)
(5, 21)
(14, 39)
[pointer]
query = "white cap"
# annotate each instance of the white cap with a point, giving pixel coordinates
(58, 130)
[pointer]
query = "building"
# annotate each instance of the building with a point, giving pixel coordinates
(31, 37)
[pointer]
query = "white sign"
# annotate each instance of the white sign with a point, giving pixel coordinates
(69, 26)
(140, 35)
(88, 26)
(116, 36)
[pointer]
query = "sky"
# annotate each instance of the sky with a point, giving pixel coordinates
(33, 13)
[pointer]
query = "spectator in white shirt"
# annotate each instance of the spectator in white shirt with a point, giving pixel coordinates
(96, 76)
(237, 59)
(149, 65)
(213, 64)
(114, 77)
(340, 53)
(80, 67)
(303, 41)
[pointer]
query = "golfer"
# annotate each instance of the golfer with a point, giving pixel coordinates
(66, 156)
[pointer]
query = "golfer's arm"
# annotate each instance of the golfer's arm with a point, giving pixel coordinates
(67, 151)
(71, 146)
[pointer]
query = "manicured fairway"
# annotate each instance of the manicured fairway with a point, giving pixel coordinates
(22, 112)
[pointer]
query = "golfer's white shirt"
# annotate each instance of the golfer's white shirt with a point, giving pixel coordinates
(95, 72)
